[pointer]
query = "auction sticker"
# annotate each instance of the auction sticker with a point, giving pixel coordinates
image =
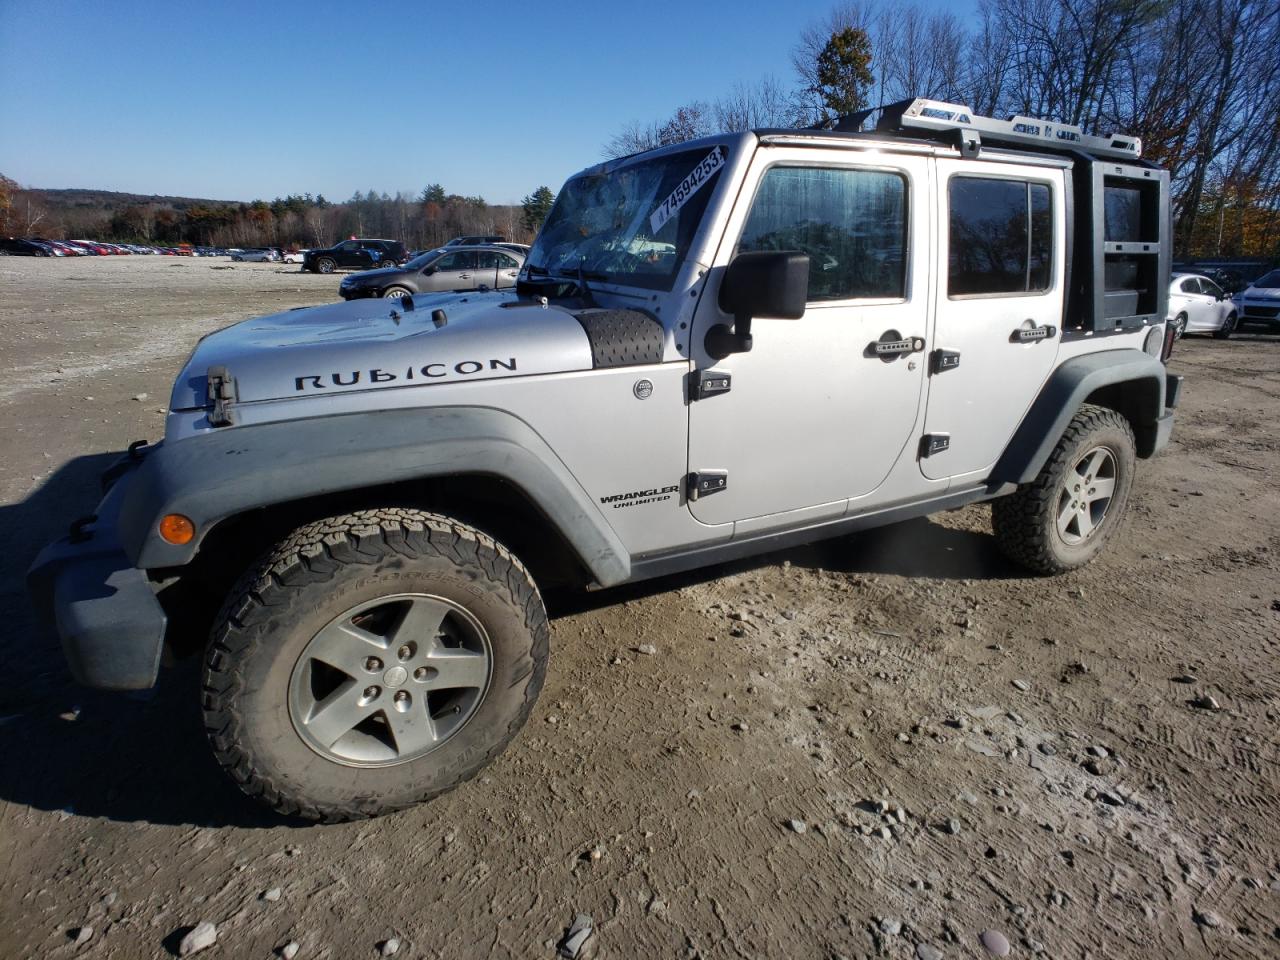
(685, 189)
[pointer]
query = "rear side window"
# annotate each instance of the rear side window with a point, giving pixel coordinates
(1191, 285)
(851, 223)
(1001, 238)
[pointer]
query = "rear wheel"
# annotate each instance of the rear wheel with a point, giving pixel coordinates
(1228, 327)
(325, 265)
(372, 661)
(1062, 519)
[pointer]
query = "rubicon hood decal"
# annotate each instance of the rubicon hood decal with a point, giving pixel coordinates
(377, 344)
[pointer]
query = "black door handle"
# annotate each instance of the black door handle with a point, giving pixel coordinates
(892, 345)
(1033, 333)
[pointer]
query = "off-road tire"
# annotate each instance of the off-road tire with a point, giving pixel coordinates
(1228, 327)
(311, 576)
(1025, 522)
(325, 265)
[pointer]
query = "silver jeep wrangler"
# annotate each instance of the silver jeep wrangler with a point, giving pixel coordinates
(714, 349)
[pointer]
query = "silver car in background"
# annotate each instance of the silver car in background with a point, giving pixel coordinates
(443, 270)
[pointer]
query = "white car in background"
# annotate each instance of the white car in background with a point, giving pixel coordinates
(293, 256)
(1198, 305)
(1260, 301)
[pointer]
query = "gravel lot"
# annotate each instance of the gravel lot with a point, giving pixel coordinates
(877, 747)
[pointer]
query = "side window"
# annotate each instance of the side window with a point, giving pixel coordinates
(1190, 285)
(507, 263)
(488, 259)
(457, 261)
(349, 246)
(1001, 238)
(1209, 288)
(851, 223)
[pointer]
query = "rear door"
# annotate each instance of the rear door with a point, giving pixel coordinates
(508, 270)
(1000, 264)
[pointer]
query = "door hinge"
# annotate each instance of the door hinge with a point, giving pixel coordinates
(703, 483)
(709, 383)
(221, 391)
(932, 443)
(944, 360)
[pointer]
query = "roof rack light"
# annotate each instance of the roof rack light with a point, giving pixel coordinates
(941, 117)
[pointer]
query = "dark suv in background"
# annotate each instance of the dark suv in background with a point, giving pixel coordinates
(355, 254)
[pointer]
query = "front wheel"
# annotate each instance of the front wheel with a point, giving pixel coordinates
(1062, 519)
(394, 293)
(1179, 326)
(1228, 327)
(372, 661)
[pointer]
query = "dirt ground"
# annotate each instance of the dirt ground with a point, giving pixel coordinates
(962, 748)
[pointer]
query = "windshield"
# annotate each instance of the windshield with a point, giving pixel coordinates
(632, 225)
(1271, 279)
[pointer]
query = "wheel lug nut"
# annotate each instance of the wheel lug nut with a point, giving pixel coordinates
(373, 664)
(401, 696)
(404, 653)
(420, 673)
(370, 692)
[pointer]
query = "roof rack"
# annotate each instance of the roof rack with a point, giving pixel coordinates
(969, 129)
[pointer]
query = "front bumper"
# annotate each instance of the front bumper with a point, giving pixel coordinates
(103, 608)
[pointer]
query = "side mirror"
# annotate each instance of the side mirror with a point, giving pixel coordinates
(428, 271)
(763, 283)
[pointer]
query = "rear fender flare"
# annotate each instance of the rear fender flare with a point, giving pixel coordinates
(1134, 384)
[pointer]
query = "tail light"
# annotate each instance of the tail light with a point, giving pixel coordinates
(1169, 335)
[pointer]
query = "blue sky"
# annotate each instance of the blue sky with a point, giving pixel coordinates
(236, 100)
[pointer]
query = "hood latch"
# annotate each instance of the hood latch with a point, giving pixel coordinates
(222, 393)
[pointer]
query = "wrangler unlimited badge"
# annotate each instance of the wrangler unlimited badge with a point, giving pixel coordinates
(428, 371)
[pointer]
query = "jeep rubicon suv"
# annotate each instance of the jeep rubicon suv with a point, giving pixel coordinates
(714, 349)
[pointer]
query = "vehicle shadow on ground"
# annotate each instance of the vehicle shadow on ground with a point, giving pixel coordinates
(914, 548)
(123, 757)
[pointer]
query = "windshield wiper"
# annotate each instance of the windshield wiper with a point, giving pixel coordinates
(580, 277)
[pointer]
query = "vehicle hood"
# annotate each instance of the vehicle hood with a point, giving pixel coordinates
(378, 345)
(366, 276)
(1260, 293)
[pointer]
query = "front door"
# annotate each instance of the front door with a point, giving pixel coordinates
(1000, 284)
(453, 271)
(814, 415)
(348, 255)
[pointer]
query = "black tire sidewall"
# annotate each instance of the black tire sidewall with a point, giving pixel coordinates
(270, 739)
(1119, 441)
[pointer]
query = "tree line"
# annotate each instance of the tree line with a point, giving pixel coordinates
(425, 220)
(1197, 80)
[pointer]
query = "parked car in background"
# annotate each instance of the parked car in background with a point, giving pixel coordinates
(476, 240)
(1259, 302)
(355, 254)
(260, 255)
(15, 247)
(294, 256)
(438, 271)
(93, 246)
(520, 248)
(1198, 305)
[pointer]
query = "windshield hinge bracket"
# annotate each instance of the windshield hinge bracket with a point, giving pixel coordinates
(222, 393)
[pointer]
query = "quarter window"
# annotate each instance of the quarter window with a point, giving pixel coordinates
(851, 223)
(1001, 239)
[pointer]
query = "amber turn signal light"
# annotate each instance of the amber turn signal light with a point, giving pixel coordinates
(176, 529)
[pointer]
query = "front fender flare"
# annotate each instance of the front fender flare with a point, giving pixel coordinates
(1139, 379)
(222, 473)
